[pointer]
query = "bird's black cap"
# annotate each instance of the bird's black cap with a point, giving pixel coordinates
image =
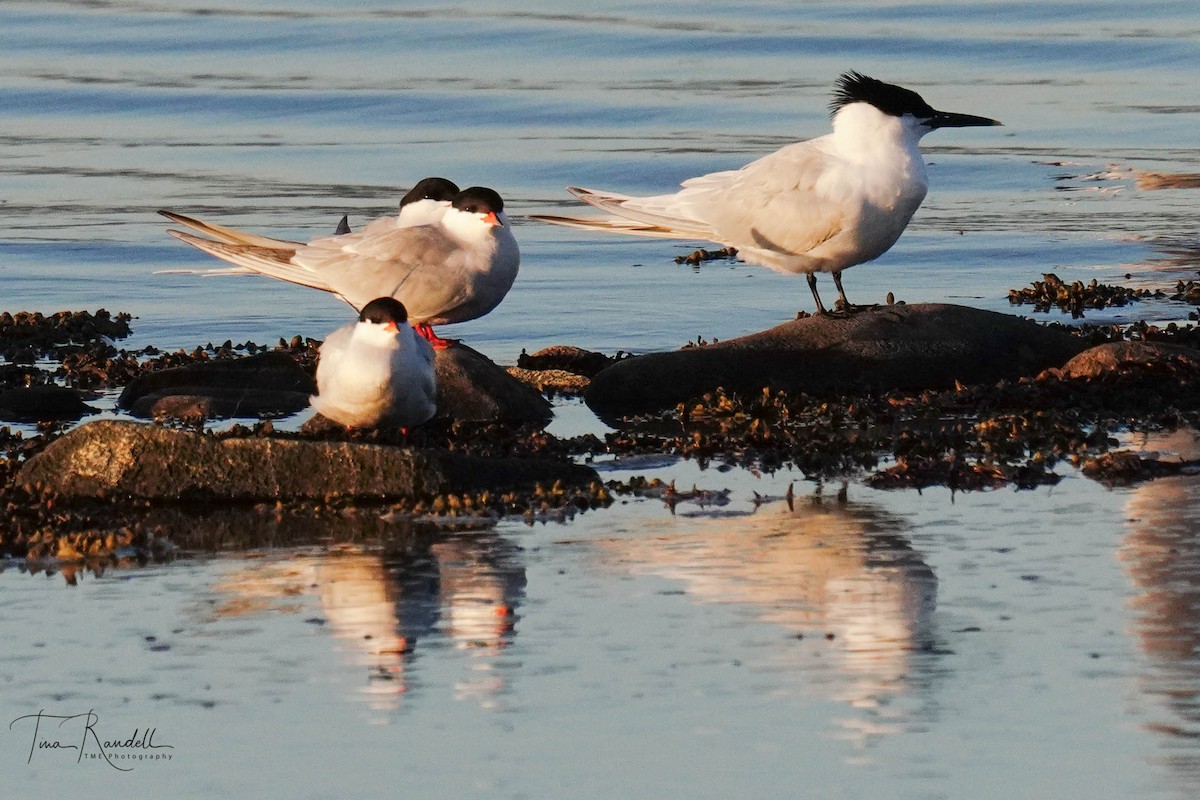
(478, 200)
(430, 189)
(854, 87)
(383, 310)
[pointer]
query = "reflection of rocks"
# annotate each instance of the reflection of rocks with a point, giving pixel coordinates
(902, 346)
(826, 569)
(166, 465)
(1161, 553)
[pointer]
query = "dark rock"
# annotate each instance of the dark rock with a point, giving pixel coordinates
(266, 383)
(1124, 468)
(1076, 296)
(890, 347)
(565, 358)
(39, 403)
(552, 380)
(167, 465)
(27, 334)
(1114, 357)
(216, 402)
(471, 387)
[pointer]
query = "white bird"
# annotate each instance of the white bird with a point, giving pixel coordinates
(821, 205)
(376, 372)
(452, 270)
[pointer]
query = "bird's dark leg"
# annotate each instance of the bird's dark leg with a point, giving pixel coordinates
(842, 304)
(812, 285)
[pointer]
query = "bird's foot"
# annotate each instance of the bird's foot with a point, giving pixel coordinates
(844, 309)
(425, 331)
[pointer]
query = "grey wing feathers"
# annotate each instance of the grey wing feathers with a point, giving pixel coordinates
(268, 261)
(229, 235)
(646, 210)
(626, 226)
(634, 221)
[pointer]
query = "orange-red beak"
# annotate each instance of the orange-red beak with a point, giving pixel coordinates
(391, 328)
(492, 219)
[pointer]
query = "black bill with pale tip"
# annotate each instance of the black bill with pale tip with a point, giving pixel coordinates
(948, 119)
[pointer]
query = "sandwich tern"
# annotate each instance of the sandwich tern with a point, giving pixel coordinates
(821, 205)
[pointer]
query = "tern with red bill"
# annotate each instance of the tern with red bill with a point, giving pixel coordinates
(454, 269)
(376, 372)
(821, 205)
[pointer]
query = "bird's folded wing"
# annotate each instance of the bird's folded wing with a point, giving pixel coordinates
(612, 225)
(423, 260)
(272, 262)
(229, 235)
(636, 216)
(785, 202)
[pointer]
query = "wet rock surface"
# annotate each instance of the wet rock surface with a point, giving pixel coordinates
(561, 369)
(472, 387)
(895, 347)
(258, 385)
(165, 465)
(137, 492)
(1114, 357)
(43, 402)
(27, 335)
(1076, 297)
(565, 358)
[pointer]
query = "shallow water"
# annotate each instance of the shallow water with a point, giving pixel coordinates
(900, 644)
(891, 644)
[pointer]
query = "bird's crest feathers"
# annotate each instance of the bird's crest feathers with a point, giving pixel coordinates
(854, 87)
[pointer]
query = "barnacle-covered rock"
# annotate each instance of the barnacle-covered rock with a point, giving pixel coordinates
(108, 458)
(889, 347)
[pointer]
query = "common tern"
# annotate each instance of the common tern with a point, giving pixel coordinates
(376, 372)
(452, 270)
(424, 203)
(821, 205)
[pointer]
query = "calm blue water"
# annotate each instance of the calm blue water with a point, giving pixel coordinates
(1034, 644)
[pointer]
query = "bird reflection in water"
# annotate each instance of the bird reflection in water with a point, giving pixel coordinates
(1161, 555)
(459, 589)
(856, 600)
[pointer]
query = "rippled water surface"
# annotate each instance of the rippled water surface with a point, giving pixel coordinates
(883, 644)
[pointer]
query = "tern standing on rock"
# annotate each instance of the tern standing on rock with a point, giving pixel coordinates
(376, 372)
(821, 205)
(454, 269)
